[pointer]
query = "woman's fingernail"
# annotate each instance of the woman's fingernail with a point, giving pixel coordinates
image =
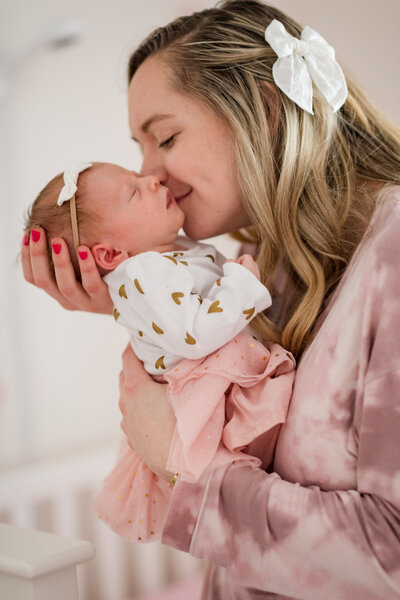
(35, 235)
(56, 248)
(26, 240)
(83, 254)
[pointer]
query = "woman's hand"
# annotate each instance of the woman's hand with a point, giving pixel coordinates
(148, 420)
(92, 295)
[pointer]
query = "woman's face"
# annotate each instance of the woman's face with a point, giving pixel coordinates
(188, 148)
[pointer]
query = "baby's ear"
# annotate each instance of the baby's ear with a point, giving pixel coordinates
(107, 257)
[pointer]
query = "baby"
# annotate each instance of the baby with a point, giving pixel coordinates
(179, 300)
(175, 296)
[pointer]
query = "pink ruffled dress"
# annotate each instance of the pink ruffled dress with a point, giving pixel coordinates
(229, 406)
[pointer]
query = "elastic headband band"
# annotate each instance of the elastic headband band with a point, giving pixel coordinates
(68, 194)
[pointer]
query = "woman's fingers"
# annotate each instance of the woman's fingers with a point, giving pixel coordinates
(92, 295)
(70, 289)
(133, 371)
(26, 259)
(36, 266)
(92, 282)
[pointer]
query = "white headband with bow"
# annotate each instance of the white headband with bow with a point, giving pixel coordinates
(68, 194)
(70, 180)
(302, 62)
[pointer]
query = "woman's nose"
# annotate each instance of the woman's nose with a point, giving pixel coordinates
(151, 167)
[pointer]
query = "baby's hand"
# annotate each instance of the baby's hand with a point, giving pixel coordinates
(247, 261)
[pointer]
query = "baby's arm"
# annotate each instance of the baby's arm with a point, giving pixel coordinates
(160, 299)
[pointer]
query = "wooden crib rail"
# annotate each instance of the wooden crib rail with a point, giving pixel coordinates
(39, 566)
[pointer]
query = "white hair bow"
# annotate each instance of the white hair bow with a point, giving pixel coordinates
(71, 179)
(302, 62)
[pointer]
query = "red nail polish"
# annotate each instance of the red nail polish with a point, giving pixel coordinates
(35, 235)
(83, 254)
(26, 240)
(56, 248)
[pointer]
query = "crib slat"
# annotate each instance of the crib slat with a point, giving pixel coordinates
(23, 515)
(149, 559)
(112, 558)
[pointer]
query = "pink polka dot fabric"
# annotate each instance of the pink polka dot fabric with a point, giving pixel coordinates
(229, 407)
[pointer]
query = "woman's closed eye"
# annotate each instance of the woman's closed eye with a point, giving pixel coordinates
(167, 143)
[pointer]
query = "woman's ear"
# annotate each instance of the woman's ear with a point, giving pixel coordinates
(107, 257)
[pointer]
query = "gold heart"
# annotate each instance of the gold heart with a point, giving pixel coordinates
(122, 292)
(116, 314)
(176, 296)
(200, 299)
(157, 329)
(214, 307)
(178, 253)
(170, 258)
(189, 339)
(141, 333)
(210, 256)
(159, 364)
(137, 286)
(249, 312)
(184, 262)
(218, 282)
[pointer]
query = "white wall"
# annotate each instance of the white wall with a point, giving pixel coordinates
(59, 370)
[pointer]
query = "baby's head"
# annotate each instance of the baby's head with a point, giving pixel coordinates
(119, 214)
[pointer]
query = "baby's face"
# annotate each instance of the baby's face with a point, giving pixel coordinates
(137, 213)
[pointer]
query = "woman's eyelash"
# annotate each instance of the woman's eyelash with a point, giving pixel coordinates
(167, 142)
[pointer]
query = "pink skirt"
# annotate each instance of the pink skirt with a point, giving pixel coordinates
(229, 406)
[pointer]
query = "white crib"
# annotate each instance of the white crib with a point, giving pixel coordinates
(56, 496)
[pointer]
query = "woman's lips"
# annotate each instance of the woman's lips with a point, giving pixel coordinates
(182, 196)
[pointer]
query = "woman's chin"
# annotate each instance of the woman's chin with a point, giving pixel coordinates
(194, 233)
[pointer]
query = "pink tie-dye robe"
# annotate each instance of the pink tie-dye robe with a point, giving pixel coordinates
(325, 525)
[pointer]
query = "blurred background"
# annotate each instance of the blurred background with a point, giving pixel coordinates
(63, 99)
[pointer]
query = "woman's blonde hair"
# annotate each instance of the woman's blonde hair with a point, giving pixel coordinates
(301, 176)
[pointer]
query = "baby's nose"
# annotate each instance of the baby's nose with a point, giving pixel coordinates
(151, 182)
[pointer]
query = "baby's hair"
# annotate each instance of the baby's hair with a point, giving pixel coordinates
(299, 174)
(56, 220)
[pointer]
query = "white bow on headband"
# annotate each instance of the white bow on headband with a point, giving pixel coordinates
(71, 179)
(302, 62)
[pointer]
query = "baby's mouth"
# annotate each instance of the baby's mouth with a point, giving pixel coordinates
(170, 199)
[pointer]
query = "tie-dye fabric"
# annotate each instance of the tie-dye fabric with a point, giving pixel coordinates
(325, 525)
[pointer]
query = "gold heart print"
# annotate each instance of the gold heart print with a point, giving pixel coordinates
(176, 296)
(249, 312)
(157, 329)
(218, 282)
(159, 364)
(122, 292)
(215, 307)
(170, 258)
(189, 339)
(137, 286)
(178, 253)
(116, 314)
(210, 256)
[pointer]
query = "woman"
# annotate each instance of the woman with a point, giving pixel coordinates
(317, 183)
